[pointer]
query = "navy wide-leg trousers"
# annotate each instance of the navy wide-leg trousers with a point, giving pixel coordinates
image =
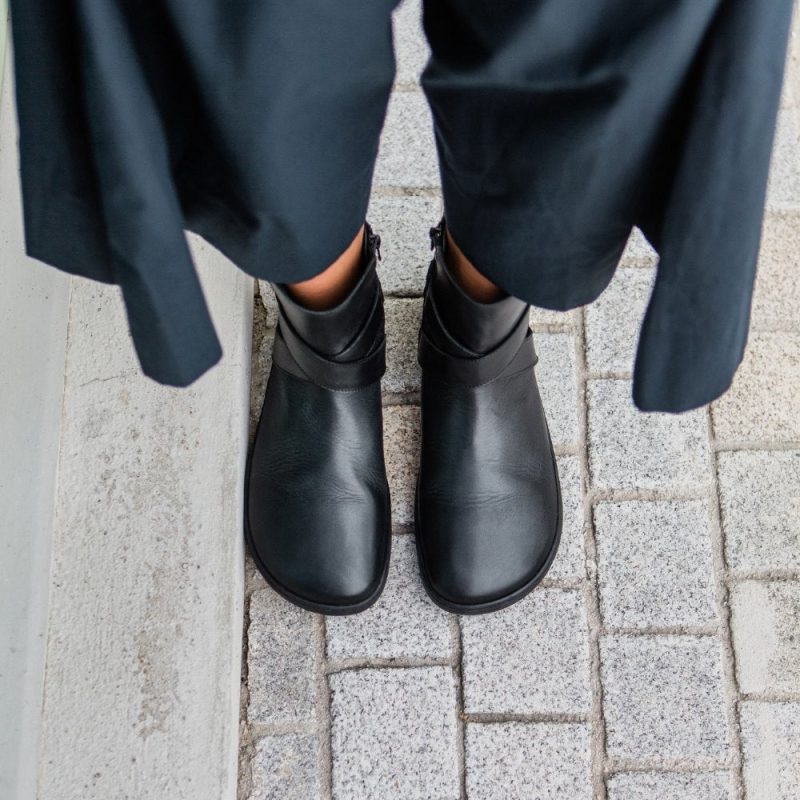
(559, 125)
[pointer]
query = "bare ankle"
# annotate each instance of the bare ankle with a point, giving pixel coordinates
(473, 282)
(332, 285)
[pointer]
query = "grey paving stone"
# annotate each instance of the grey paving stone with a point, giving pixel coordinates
(411, 46)
(269, 302)
(521, 760)
(671, 786)
(629, 448)
(557, 377)
(771, 745)
(403, 221)
(402, 624)
(654, 563)
(401, 442)
(613, 320)
(286, 767)
(261, 364)
(763, 404)
(281, 656)
(638, 251)
(407, 151)
(570, 561)
(765, 623)
(783, 190)
(760, 502)
(394, 734)
(663, 697)
(402, 327)
(545, 316)
(532, 657)
(777, 290)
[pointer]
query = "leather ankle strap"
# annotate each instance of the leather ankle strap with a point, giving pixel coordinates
(294, 355)
(514, 353)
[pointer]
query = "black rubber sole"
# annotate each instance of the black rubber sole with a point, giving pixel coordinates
(298, 600)
(506, 600)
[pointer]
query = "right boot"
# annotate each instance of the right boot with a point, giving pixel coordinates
(317, 507)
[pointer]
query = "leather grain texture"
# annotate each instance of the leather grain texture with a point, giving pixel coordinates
(488, 500)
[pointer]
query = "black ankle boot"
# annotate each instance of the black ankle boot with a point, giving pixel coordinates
(488, 499)
(317, 511)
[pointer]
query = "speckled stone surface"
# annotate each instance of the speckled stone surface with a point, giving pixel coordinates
(614, 319)
(558, 385)
(407, 154)
(783, 191)
(654, 563)
(394, 734)
(402, 328)
(561, 319)
(771, 747)
(638, 251)
(286, 767)
(401, 442)
(760, 506)
(671, 786)
(520, 761)
(403, 623)
(777, 291)
(281, 659)
(663, 697)
(763, 404)
(629, 448)
(411, 45)
(766, 636)
(570, 561)
(403, 221)
(532, 657)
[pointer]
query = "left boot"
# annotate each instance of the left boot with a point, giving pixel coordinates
(488, 499)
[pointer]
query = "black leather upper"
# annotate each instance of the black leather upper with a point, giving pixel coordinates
(318, 508)
(488, 498)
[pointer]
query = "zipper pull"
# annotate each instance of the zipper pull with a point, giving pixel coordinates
(436, 235)
(377, 241)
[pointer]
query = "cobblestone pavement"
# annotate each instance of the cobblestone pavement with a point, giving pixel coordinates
(660, 658)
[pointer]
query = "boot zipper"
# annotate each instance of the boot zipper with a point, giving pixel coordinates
(375, 242)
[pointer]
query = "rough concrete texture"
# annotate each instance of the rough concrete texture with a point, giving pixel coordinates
(771, 747)
(654, 563)
(146, 578)
(402, 374)
(760, 506)
(394, 733)
(285, 767)
(763, 404)
(402, 221)
(519, 760)
(407, 154)
(281, 659)
(777, 290)
(401, 440)
(766, 636)
(663, 697)
(631, 449)
(570, 561)
(613, 321)
(671, 786)
(532, 657)
(558, 385)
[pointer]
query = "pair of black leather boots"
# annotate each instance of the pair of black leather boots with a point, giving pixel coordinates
(488, 505)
